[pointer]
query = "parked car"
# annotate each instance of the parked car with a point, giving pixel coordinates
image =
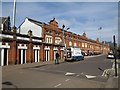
(110, 55)
(84, 53)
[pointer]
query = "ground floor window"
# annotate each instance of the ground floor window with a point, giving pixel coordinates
(4, 56)
(36, 55)
(22, 56)
(47, 55)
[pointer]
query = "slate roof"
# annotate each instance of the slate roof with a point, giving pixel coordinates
(3, 19)
(6, 22)
(35, 21)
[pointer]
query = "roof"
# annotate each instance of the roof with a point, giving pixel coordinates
(35, 21)
(3, 19)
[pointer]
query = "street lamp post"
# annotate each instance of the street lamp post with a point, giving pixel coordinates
(63, 38)
(63, 31)
(63, 34)
(14, 31)
(100, 28)
(14, 13)
(115, 55)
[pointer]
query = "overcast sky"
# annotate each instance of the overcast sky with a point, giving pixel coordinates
(78, 16)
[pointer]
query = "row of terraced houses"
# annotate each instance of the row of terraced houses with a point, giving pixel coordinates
(35, 41)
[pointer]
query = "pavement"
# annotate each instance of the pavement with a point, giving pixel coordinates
(41, 63)
(112, 81)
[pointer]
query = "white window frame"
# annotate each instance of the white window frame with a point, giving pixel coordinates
(2, 47)
(83, 44)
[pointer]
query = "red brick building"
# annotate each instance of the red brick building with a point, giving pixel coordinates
(36, 41)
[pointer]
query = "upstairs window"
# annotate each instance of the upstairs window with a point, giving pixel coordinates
(48, 40)
(49, 31)
(82, 44)
(57, 33)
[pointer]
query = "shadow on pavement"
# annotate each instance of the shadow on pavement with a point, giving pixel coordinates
(8, 83)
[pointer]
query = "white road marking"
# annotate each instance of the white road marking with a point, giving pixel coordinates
(58, 85)
(90, 76)
(67, 80)
(68, 74)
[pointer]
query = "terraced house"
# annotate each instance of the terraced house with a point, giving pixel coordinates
(35, 41)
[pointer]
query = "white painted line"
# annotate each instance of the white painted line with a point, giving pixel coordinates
(90, 76)
(68, 74)
(58, 85)
(67, 80)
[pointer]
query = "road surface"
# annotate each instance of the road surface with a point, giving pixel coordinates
(80, 74)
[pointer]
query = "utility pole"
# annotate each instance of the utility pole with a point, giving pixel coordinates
(14, 13)
(63, 38)
(14, 33)
(63, 34)
(100, 28)
(115, 55)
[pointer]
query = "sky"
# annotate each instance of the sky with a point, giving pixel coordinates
(78, 16)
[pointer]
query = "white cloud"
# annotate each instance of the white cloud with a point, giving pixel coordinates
(79, 17)
(64, 21)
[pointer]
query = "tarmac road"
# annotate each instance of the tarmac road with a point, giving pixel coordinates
(87, 66)
(80, 74)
